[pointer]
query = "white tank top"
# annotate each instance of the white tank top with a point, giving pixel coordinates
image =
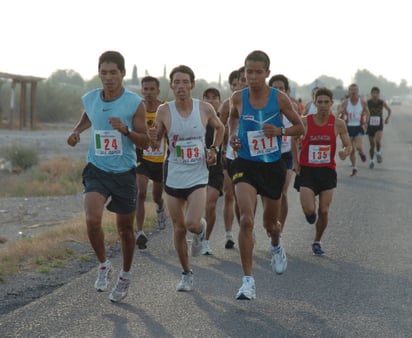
(312, 109)
(186, 161)
(286, 140)
(230, 153)
(354, 113)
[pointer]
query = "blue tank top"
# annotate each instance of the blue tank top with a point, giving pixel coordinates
(254, 145)
(109, 149)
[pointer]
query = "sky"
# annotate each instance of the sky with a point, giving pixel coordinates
(304, 39)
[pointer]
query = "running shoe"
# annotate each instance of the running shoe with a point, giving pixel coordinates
(103, 275)
(198, 239)
(378, 158)
(248, 289)
(161, 219)
(371, 165)
(141, 241)
(317, 249)
(229, 243)
(279, 260)
(120, 290)
(362, 156)
(206, 250)
(311, 219)
(354, 172)
(186, 283)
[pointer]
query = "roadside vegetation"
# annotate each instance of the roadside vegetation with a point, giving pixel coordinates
(54, 247)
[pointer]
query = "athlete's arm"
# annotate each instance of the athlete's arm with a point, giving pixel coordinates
(235, 106)
(342, 131)
(140, 135)
(389, 110)
(83, 124)
(291, 114)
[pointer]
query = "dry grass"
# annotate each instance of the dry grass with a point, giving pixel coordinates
(48, 250)
(54, 177)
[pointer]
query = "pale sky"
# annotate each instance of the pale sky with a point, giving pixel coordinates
(304, 38)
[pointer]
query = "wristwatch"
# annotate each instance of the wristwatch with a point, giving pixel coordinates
(215, 148)
(282, 131)
(127, 131)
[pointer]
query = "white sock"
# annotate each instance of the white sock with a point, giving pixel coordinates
(141, 232)
(106, 263)
(124, 274)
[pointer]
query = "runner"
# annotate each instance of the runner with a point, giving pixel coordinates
(116, 117)
(316, 167)
(255, 129)
(150, 165)
(375, 125)
(184, 121)
(355, 112)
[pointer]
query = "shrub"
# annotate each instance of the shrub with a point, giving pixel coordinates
(20, 156)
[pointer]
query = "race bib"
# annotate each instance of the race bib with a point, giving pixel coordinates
(107, 143)
(259, 144)
(190, 151)
(319, 154)
(286, 144)
(155, 152)
(374, 120)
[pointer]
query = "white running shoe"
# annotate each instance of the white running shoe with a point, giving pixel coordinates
(206, 250)
(198, 239)
(120, 290)
(103, 274)
(248, 289)
(279, 260)
(186, 283)
(378, 157)
(161, 219)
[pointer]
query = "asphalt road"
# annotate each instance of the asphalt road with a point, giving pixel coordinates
(361, 288)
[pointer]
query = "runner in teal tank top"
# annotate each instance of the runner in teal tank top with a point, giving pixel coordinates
(255, 131)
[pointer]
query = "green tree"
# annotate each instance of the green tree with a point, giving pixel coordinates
(135, 79)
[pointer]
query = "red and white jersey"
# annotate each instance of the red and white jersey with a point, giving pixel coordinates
(319, 145)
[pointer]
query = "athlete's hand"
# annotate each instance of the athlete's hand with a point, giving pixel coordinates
(211, 157)
(342, 154)
(153, 133)
(235, 142)
(270, 130)
(117, 124)
(73, 138)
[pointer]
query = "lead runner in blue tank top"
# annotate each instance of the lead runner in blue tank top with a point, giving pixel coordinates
(255, 129)
(116, 118)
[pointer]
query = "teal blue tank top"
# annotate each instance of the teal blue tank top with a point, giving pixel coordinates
(254, 145)
(109, 149)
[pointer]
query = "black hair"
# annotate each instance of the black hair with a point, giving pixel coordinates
(279, 77)
(211, 90)
(375, 89)
(149, 78)
(259, 56)
(324, 91)
(182, 69)
(112, 56)
(233, 76)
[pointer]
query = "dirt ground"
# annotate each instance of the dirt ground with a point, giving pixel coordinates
(31, 215)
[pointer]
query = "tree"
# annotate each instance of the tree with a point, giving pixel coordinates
(135, 79)
(67, 76)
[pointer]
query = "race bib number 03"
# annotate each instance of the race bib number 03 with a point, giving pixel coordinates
(259, 144)
(107, 143)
